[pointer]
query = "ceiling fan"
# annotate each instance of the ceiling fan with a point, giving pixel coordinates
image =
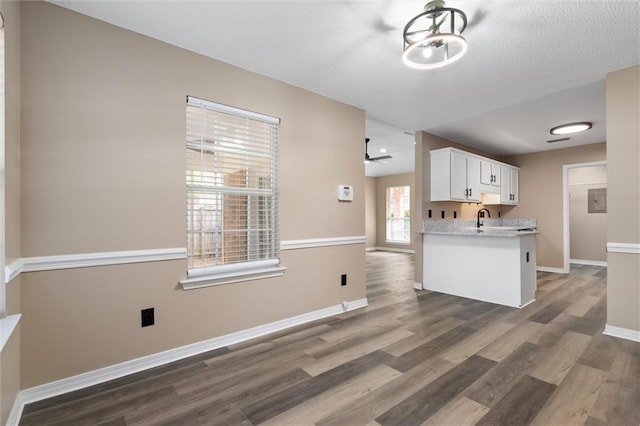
(368, 158)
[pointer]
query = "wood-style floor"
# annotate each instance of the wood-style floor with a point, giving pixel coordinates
(409, 358)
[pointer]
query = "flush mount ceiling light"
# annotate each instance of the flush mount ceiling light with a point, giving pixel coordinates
(569, 128)
(433, 38)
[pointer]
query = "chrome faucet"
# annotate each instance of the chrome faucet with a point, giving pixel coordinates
(479, 224)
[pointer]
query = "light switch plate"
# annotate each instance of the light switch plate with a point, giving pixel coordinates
(345, 192)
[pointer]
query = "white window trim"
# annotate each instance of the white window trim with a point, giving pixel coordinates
(8, 323)
(240, 273)
(405, 243)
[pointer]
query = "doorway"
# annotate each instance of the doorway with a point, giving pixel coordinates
(584, 214)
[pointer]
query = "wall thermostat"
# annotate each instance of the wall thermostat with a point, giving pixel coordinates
(345, 192)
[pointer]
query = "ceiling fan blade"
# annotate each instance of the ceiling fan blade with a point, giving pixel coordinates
(368, 158)
(383, 157)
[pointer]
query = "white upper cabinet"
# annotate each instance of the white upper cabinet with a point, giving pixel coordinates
(490, 173)
(461, 176)
(455, 176)
(509, 187)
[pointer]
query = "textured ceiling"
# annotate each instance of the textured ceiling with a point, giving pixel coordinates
(531, 64)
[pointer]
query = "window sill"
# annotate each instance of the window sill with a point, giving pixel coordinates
(215, 279)
(404, 243)
(7, 327)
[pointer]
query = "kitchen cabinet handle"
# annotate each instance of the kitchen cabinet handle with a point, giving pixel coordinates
(470, 192)
(466, 192)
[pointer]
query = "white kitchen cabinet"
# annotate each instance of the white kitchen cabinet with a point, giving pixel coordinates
(509, 186)
(455, 176)
(461, 176)
(490, 173)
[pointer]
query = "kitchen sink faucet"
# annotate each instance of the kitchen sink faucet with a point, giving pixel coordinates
(479, 224)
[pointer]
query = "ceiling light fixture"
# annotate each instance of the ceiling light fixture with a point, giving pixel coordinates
(569, 128)
(433, 38)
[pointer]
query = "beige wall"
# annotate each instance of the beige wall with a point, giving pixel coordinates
(587, 231)
(10, 357)
(103, 167)
(370, 216)
(623, 197)
(382, 183)
(540, 195)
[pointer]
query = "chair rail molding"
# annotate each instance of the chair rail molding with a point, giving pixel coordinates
(623, 248)
(85, 260)
(322, 242)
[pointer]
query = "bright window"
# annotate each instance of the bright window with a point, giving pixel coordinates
(232, 189)
(398, 214)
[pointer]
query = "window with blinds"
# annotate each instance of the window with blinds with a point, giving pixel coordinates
(398, 214)
(232, 188)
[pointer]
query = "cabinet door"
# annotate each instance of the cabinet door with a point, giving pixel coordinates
(509, 187)
(505, 188)
(473, 179)
(489, 173)
(486, 173)
(514, 186)
(459, 176)
(496, 170)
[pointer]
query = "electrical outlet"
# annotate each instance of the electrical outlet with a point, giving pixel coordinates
(147, 317)
(343, 280)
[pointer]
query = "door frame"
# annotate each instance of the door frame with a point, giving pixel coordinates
(566, 243)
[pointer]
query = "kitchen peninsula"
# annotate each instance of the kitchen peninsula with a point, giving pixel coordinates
(494, 263)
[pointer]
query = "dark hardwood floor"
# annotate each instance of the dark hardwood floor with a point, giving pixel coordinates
(409, 358)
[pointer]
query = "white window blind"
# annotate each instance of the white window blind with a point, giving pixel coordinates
(232, 188)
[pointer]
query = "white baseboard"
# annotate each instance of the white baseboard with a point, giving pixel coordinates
(394, 249)
(549, 269)
(90, 378)
(16, 410)
(417, 285)
(527, 304)
(623, 333)
(588, 262)
(371, 249)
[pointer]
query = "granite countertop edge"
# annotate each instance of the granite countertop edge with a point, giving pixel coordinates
(482, 233)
